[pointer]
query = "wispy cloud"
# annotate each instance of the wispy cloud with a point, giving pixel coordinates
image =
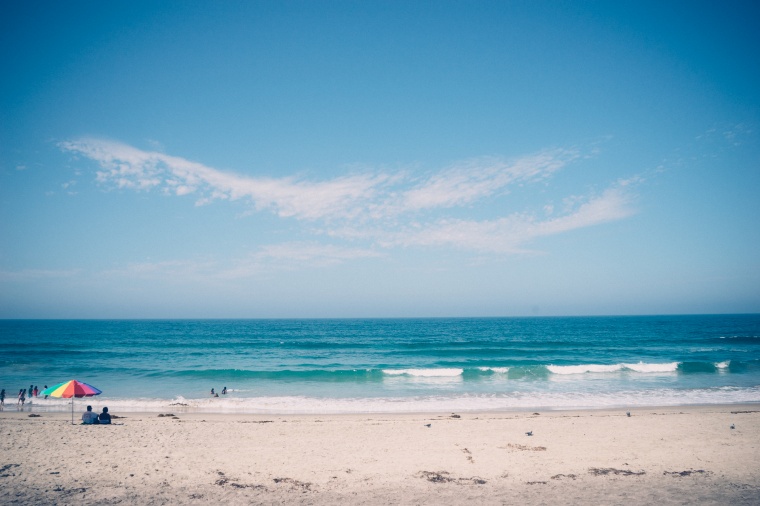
(381, 209)
(482, 177)
(509, 234)
(128, 167)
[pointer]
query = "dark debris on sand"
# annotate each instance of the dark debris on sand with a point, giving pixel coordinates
(610, 470)
(224, 481)
(69, 491)
(304, 486)
(444, 477)
(688, 472)
(525, 448)
(7, 467)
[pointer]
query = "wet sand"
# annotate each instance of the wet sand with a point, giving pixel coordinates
(681, 455)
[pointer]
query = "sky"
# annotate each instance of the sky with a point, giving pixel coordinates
(283, 159)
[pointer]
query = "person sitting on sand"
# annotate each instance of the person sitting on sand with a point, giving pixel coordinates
(88, 417)
(104, 417)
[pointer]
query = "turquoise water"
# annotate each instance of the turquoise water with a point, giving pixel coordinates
(388, 365)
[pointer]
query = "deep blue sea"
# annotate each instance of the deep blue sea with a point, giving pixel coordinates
(387, 365)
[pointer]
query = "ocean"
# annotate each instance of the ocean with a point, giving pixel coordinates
(387, 365)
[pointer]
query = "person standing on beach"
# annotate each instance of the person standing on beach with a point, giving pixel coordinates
(31, 389)
(43, 389)
(2, 397)
(21, 397)
(35, 390)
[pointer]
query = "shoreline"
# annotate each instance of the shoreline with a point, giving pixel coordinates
(64, 406)
(62, 416)
(669, 455)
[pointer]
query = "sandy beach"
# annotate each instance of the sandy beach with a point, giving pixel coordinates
(687, 455)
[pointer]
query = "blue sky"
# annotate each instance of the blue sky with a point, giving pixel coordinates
(353, 159)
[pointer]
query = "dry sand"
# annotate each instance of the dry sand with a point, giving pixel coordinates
(688, 455)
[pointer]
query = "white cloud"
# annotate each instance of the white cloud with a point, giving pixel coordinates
(613, 204)
(383, 210)
(361, 195)
(508, 234)
(470, 181)
(131, 168)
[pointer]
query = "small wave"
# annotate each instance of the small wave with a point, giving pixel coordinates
(601, 368)
(743, 339)
(581, 369)
(723, 365)
(426, 373)
(495, 370)
(643, 367)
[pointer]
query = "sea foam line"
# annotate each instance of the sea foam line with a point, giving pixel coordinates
(642, 367)
(427, 373)
(497, 370)
(600, 368)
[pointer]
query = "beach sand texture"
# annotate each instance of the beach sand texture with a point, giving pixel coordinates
(688, 455)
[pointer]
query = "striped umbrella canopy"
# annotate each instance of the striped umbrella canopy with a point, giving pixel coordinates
(69, 390)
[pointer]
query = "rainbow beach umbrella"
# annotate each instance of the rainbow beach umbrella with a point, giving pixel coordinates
(69, 390)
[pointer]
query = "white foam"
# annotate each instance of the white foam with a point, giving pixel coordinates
(643, 367)
(426, 373)
(723, 365)
(600, 368)
(581, 369)
(497, 370)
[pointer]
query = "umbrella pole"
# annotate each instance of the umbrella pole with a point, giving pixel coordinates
(72, 410)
